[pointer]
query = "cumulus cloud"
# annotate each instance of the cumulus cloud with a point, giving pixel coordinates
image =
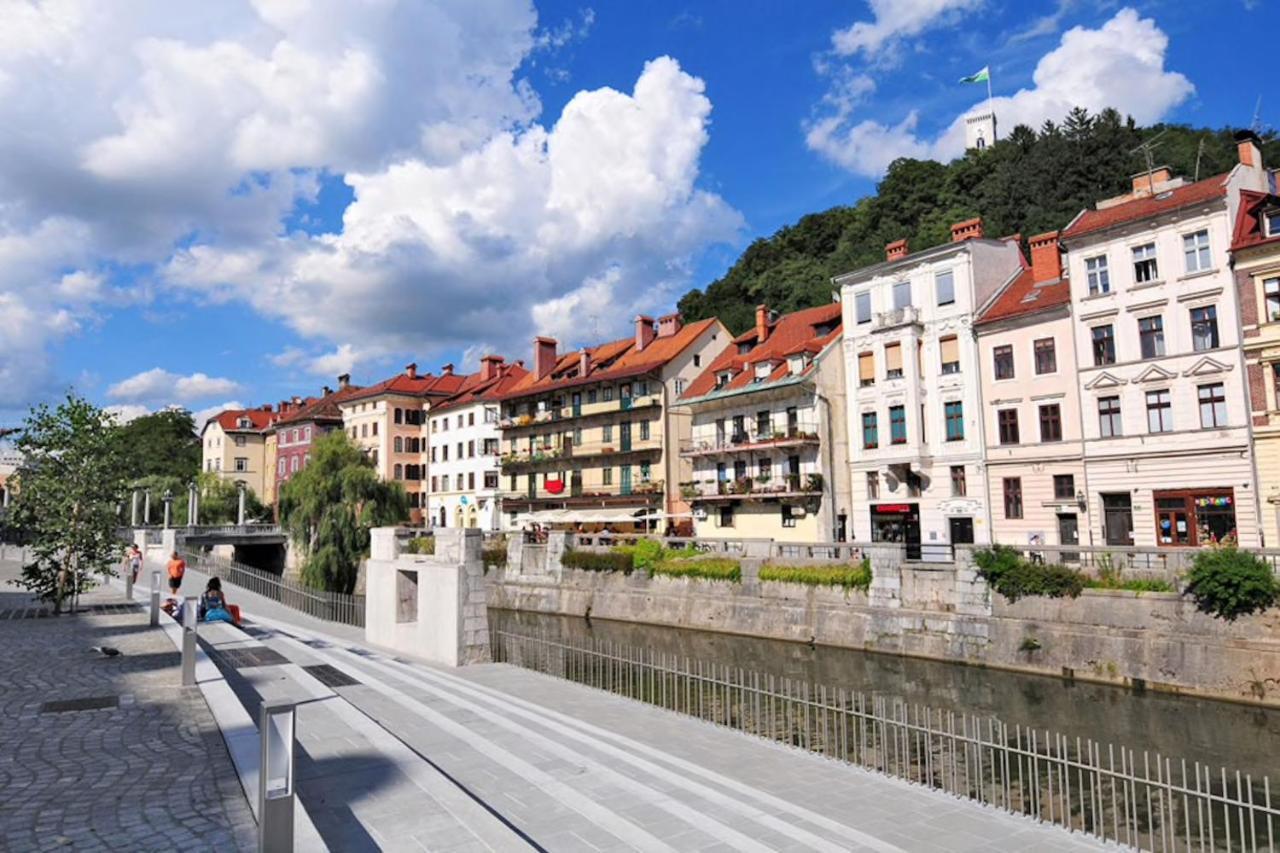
(159, 384)
(126, 412)
(895, 20)
(1120, 64)
(201, 416)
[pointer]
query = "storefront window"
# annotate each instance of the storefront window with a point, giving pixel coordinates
(1194, 516)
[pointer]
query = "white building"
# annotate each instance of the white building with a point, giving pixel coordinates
(1168, 457)
(915, 426)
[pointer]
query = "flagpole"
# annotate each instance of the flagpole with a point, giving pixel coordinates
(991, 109)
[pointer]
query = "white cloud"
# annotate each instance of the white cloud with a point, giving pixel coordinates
(896, 20)
(1119, 65)
(158, 384)
(127, 412)
(200, 416)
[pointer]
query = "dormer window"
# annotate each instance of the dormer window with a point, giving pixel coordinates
(723, 378)
(763, 369)
(797, 363)
(244, 423)
(1272, 219)
(745, 347)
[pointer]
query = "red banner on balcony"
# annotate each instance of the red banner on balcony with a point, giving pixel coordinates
(554, 487)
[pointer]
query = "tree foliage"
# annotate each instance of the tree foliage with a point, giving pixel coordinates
(1014, 577)
(1229, 583)
(162, 444)
(329, 507)
(1029, 182)
(70, 488)
(219, 499)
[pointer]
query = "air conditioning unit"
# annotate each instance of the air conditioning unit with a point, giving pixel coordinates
(700, 513)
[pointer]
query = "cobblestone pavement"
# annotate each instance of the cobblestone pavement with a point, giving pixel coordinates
(150, 774)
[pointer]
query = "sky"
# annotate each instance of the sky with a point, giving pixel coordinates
(224, 204)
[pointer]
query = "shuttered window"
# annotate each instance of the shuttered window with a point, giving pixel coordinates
(867, 368)
(950, 355)
(893, 361)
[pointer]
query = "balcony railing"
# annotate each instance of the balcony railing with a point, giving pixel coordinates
(750, 438)
(756, 488)
(569, 450)
(647, 490)
(581, 410)
(906, 316)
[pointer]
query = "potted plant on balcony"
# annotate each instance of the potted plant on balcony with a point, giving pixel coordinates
(814, 483)
(524, 420)
(742, 485)
(689, 490)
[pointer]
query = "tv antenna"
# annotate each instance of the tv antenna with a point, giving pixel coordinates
(1146, 148)
(1199, 154)
(1256, 124)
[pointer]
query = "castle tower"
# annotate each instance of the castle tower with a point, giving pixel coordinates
(980, 129)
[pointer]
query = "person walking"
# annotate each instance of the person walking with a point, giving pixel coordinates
(177, 568)
(133, 561)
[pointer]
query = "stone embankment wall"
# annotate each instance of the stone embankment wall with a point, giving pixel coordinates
(945, 612)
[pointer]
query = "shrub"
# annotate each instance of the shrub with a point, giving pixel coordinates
(1130, 585)
(644, 553)
(849, 576)
(495, 556)
(1013, 577)
(1228, 583)
(421, 545)
(683, 553)
(712, 568)
(596, 561)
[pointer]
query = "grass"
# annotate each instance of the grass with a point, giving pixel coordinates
(421, 545)
(593, 561)
(1130, 585)
(712, 568)
(848, 576)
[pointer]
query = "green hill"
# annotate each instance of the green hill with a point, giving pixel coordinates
(1029, 182)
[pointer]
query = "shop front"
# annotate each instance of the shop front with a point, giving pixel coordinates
(1194, 516)
(897, 523)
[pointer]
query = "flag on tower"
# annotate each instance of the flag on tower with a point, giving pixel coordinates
(983, 76)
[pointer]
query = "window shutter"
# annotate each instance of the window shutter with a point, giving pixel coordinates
(893, 357)
(950, 350)
(867, 366)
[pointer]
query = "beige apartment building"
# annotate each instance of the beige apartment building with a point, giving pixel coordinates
(233, 446)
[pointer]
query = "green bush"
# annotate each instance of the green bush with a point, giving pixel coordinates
(1228, 583)
(1130, 585)
(421, 545)
(1014, 577)
(494, 556)
(849, 577)
(711, 568)
(597, 561)
(644, 553)
(682, 553)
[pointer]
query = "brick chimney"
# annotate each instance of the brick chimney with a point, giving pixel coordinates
(1046, 260)
(266, 407)
(446, 369)
(489, 366)
(970, 229)
(326, 391)
(1249, 149)
(762, 323)
(896, 249)
(669, 324)
(584, 362)
(411, 370)
(544, 356)
(344, 381)
(644, 332)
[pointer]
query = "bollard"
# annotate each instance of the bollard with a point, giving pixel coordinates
(188, 642)
(155, 599)
(275, 776)
(128, 583)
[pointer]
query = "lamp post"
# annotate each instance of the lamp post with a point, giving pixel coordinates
(168, 508)
(276, 727)
(133, 513)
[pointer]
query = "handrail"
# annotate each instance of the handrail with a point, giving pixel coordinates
(321, 604)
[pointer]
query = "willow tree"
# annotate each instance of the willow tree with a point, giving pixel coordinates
(329, 507)
(71, 487)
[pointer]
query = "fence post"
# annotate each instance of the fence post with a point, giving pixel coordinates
(276, 728)
(188, 641)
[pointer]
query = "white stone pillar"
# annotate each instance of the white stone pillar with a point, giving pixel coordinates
(133, 509)
(240, 511)
(191, 505)
(146, 507)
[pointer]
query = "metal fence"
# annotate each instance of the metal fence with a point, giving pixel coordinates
(329, 606)
(1133, 798)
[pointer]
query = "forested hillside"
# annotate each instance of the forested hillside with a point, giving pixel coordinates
(1029, 182)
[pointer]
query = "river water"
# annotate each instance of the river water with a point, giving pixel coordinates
(1221, 734)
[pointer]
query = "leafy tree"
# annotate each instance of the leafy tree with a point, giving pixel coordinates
(70, 488)
(219, 499)
(163, 444)
(1229, 583)
(329, 507)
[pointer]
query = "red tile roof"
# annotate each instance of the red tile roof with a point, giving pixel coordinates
(486, 390)
(229, 419)
(613, 360)
(1249, 230)
(319, 409)
(1089, 221)
(423, 385)
(1023, 296)
(788, 334)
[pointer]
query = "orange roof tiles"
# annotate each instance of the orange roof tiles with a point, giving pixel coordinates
(486, 390)
(320, 408)
(1089, 221)
(1249, 230)
(259, 419)
(1023, 296)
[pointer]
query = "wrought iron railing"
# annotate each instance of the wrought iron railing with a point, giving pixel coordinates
(1130, 797)
(322, 604)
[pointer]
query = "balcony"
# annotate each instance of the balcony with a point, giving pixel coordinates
(582, 410)
(898, 317)
(568, 450)
(753, 488)
(751, 439)
(645, 492)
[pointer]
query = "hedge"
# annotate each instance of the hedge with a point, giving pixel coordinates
(713, 568)
(847, 576)
(1228, 583)
(1014, 577)
(595, 561)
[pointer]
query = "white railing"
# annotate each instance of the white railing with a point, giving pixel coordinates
(322, 604)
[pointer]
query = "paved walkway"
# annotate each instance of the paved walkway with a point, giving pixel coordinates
(151, 773)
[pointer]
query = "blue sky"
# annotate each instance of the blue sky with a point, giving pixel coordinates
(238, 204)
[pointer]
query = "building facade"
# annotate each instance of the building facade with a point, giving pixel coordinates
(1031, 406)
(301, 423)
(233, 446)
(1255, 259)
(1168, 456)
(767, 440)
(597, 430)
(912, 370)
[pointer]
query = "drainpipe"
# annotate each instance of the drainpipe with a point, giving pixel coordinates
(1248, 416)
(982, 437)
(828, 479)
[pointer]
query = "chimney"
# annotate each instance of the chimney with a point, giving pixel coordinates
(447, 369)
(644, 332)
(584, 362)
(344, 381)
(326, 391)
(1046, 260)
(297, 401)
(544, 356)
(970, 229)
(762, 323)
(895, 250)
(1249, 149)
(411, 370)
(284, 406)
(489, 366)
(669, 324)
(266, 407)
(1149, 183)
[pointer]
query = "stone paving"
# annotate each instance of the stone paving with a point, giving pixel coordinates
(150, 774)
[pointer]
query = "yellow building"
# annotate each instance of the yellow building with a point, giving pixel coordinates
(233, 446)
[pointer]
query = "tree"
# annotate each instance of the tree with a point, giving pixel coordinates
(329, 507)
(70, 488)
(219, 499)
(162, 444)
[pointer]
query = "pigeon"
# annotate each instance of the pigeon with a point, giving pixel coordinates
(107, 651)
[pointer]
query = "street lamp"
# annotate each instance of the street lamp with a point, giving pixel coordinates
(275, 777)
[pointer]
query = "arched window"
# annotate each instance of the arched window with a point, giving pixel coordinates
(399, 472)
(399, 442)
(442, 516)
(293, 465)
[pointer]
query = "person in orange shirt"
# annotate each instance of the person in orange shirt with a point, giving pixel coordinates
(177, 568)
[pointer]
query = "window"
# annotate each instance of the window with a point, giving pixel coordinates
(293, 465)
(606, 432)
(1195, 248)
(764, 469)
(945, 285)
(1151, 335)
(1099, 278)
(1051, 422)
(471, 449)
(897, 425)
(364, 430)
(444, 483)
(471, 418)
(1064, 487)
(606, 476)
(763, 430)
(444, 453)
(954, 414)
(240, 441)
(242, 463)
(280, 468)
(398, 471)
(902, 294)
(1013, 497)
(862, 308)
(1213, 405)
(433, 454)
(788, 520)
(1273, 223)
(375, 428)
(950, 354)
(435, 484)
(1046, 356)
(1144, 263)
(1159, 411)
(471, 480)
(644, 430)
(1271, 290)
(873, 485)
(1104, 345)
(726, 515)
(678, 386)
(870, 433)
(606, 393)
(866, 369)
(1008, 421)
(491, 479)
(958, 486)
(1204, 328)
(1003, 359)
(893, 361)
(460, 450)
(399, 416)
(1109, 417)
(398, 444)
(697, 360)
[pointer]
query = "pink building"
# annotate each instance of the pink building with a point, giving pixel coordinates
(302, 422)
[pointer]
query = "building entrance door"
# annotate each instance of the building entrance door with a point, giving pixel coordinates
(899, 523)
(1117, 518)
(1069, 534)
(961, 530)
